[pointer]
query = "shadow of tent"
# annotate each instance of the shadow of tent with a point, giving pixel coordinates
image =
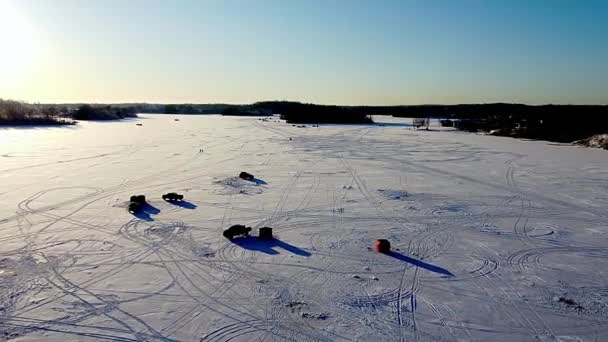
(183, 204)
(267, 246)
(420, 263)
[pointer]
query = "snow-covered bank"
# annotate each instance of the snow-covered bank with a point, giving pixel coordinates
(493, 238)
(597, 141)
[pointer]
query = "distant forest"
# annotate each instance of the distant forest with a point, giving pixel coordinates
(562, 123)
(16, 113)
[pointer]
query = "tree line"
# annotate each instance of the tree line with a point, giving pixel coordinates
(563, 123)
(21, 113)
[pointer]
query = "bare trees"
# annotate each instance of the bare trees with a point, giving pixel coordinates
(21, 113)
(14, 110)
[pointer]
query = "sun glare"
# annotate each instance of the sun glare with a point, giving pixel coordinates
(17, 49)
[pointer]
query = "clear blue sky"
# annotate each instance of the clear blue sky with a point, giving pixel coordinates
(340, 52)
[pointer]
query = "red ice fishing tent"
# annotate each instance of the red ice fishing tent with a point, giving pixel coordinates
(383, 246)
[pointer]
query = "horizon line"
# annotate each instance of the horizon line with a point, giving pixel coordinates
(303, 102)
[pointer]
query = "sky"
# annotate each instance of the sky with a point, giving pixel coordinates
(322, 51)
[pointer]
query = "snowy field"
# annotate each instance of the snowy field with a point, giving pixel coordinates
(494, 239)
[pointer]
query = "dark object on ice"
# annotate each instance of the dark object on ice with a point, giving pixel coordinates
(135, 207)
(175, 119)
(136, 203)
(320, 316)
(139, 124)
(141, 199)
(172, 196)
(567, 301)
(246, 176)
(383, 246)
(265, 233)
(446, 123)
(571, 302)
(295, 305)
(235, 230)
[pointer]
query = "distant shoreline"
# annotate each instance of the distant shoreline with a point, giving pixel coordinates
(15, 113)
(43, 122)
(557, 123)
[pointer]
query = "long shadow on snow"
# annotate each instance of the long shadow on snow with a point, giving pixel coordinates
(183, 204)
(146, 211)
(267, 246)
(420, 264)
(258, 181)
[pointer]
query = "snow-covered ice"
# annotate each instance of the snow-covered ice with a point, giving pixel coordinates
(493, 239)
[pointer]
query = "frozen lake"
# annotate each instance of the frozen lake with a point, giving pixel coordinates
(494, 239)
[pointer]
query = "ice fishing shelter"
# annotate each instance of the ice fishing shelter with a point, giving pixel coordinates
(383, 246)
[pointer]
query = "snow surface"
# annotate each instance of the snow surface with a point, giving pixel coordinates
(494, 239)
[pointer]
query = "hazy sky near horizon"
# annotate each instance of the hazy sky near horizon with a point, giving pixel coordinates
(332, 51)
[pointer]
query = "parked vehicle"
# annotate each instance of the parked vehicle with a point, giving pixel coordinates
(246, 176)
(135, 207)
(235, 230)
(141, 199)
(136, 203)
(172, 196)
